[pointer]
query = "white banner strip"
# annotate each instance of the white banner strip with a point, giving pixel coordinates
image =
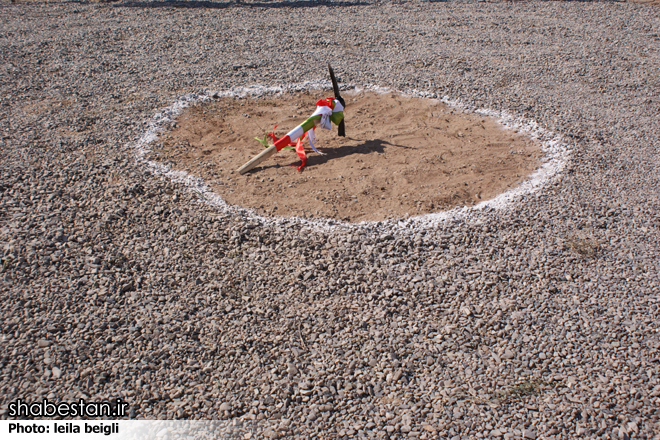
(132, 429)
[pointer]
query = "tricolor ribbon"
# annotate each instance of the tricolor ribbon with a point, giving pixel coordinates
(328, 110)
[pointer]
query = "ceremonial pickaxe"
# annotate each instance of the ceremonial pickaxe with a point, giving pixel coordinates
(327, 110)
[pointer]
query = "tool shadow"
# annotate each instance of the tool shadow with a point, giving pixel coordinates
(367, 147)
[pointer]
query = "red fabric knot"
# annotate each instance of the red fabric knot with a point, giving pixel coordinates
(327, 102)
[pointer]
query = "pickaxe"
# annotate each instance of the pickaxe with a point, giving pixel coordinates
(327, 111)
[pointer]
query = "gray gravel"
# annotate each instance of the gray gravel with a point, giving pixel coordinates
(540, 321)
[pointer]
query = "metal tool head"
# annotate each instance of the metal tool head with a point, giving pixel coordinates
(335, 87)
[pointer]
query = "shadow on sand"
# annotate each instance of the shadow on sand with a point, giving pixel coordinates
(368, 147)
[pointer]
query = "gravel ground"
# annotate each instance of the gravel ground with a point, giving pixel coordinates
(540, 321)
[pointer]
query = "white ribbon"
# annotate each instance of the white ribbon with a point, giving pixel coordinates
(325, 122)
(325, 113)
(312, 141)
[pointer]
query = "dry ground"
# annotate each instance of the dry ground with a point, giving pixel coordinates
(402, 156)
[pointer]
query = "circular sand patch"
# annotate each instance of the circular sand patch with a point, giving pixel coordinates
(402, 156)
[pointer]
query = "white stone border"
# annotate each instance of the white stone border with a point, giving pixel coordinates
(557, 154)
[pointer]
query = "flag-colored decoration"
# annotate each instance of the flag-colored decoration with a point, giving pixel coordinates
(328, 111)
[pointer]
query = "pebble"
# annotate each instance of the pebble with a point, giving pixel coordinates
(272, 434)
(527, 433)
(508, 354)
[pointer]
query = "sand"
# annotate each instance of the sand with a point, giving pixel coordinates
(402, 156)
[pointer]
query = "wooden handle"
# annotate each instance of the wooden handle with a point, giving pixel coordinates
(256, 160)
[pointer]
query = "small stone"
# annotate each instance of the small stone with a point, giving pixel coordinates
(291, 369)
(406, 429)
(528, 433)
(43, 343)
(225, 406)
(57, 373)
(272, 434)
(508, 354)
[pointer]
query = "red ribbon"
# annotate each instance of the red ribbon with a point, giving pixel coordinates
(272, 134)
(282, 142)
(300, 150)
(327, 102)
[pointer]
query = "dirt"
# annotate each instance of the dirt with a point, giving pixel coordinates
(401, 156)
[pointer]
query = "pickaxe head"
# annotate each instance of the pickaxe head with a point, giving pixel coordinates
(335, 87)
